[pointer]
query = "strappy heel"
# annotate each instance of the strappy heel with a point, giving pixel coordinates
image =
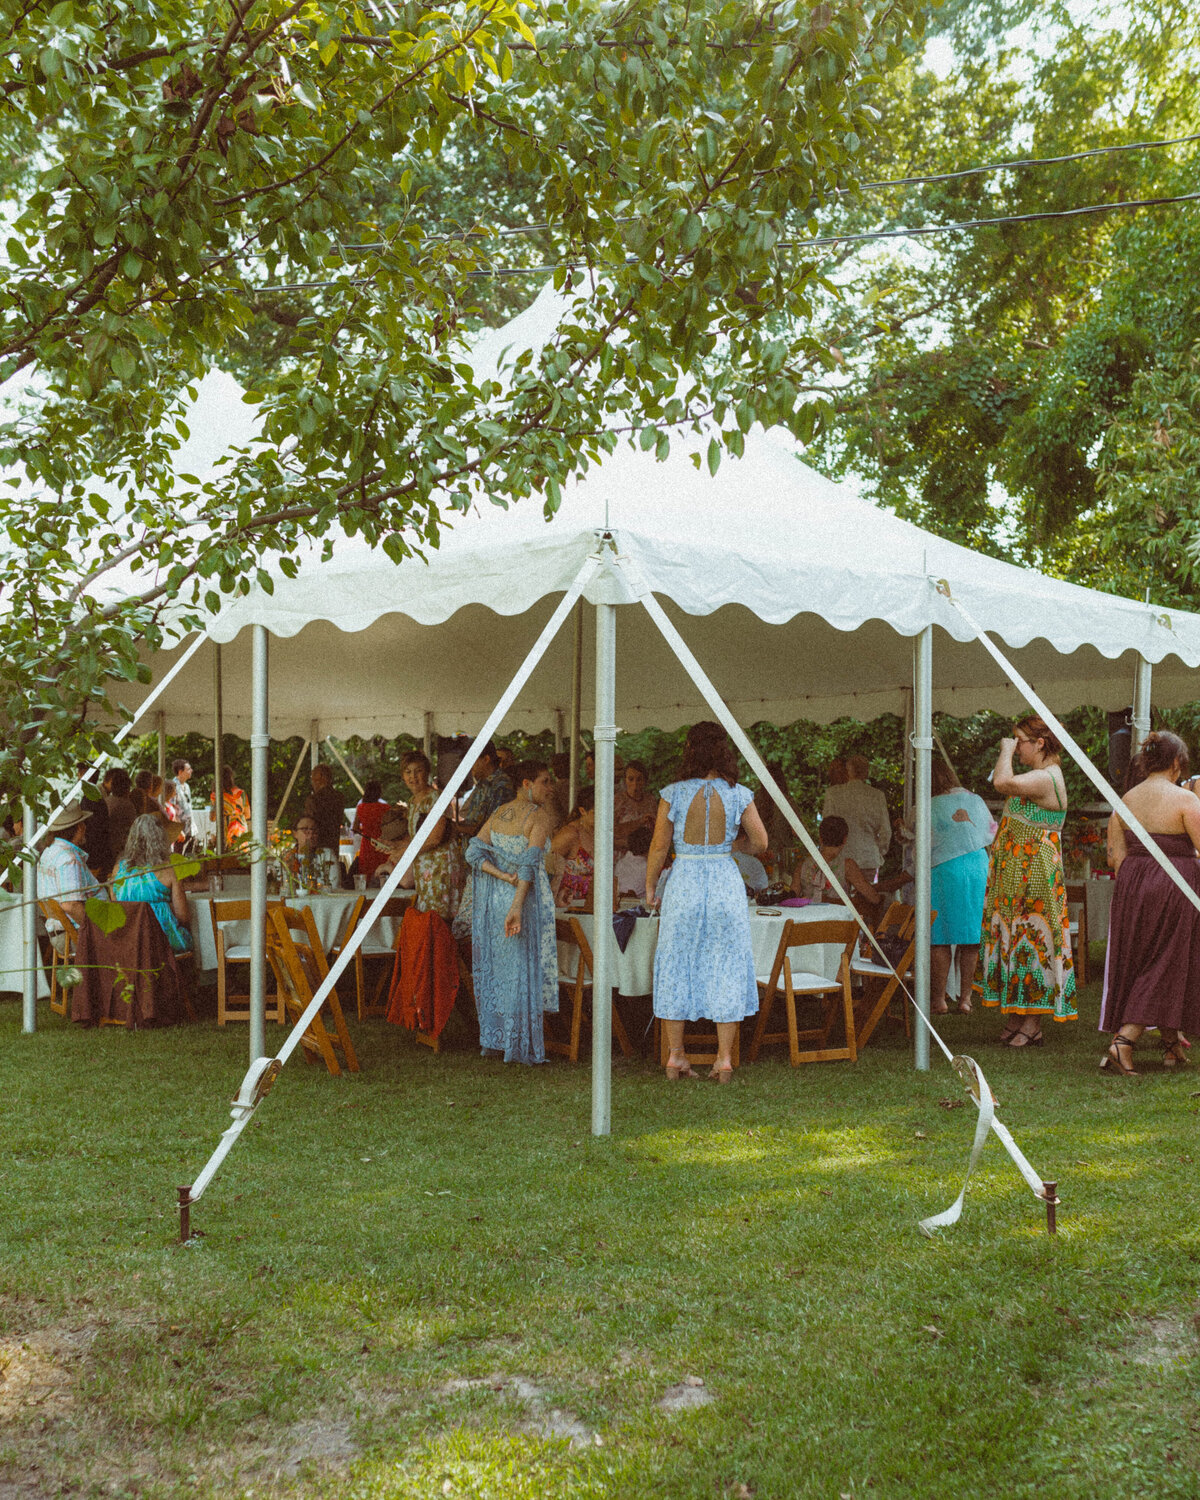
(1173, 1050)
(1113, 1062)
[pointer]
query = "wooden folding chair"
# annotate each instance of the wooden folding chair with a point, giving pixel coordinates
(234, 1006)
(576, 989)
(60, 998)
(1077, 898)
(832, 995)
(880, 988)
(301, 967)
(373, 946)
(867, 971)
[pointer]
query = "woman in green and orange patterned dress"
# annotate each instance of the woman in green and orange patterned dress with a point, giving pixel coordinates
(1026, 942)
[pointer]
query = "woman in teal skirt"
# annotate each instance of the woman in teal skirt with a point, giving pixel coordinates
(145, 873)
(962, 828)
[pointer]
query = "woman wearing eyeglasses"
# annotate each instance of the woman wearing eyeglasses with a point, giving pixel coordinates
(1027, 967)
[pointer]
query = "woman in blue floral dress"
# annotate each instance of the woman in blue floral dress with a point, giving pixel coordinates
(513, 947)
(704, 964)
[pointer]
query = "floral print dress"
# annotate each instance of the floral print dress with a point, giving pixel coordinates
(1026, 940)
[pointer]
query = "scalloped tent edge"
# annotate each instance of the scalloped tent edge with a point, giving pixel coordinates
(798, 597)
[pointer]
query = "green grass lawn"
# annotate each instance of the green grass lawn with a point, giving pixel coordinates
(429, 1280)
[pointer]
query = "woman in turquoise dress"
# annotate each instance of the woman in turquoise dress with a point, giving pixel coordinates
(145, 873)
(513, 947)
(704, 963)
(962, 828)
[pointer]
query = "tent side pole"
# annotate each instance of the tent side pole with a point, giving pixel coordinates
(602, 878)
(161, 726)
(1141, 704)
(923, 748)
(260, 741)
(30, 959)
(428, 742)
(558, 731)
(287, 791)
(218, 758)
(576, 707)
(314, 744)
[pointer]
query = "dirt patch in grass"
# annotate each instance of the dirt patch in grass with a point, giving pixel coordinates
(688, 1395)
(1161, 1340)
(37, 1373)
(542, 1420)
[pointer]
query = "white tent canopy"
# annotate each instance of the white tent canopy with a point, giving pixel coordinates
(803, 601)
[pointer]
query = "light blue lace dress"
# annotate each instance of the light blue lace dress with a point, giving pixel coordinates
(704, 964)
(516, 978)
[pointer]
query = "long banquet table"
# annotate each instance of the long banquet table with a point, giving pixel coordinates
(634, 968)
(329, 908)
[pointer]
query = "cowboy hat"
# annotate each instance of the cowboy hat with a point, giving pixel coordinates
(67, 817)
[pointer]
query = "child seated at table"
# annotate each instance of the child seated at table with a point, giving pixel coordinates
(630, 869)
(811, 882)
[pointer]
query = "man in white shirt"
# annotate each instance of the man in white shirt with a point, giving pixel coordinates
(62, 868)
(865, 810)
(181, 796)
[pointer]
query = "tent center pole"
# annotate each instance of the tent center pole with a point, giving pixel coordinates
(260, 741)
(428, 742)
(576, 707)
(923, 761)
(30, 959)
(1141, 704)
(218, 756)
(602, 877)
(558, 731)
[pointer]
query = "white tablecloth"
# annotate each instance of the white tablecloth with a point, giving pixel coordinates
(635, 967)
(12, 952)
(329, 908)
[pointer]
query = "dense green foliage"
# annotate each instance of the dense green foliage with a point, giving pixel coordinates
(169, 167)
(1031, 389)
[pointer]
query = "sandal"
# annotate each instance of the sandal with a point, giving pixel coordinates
(1173, 1045)
(722, 1075)
(1022, 1039)
(683, 1070)
(1007, 1035)
(1113, 1062)
(964, 1008)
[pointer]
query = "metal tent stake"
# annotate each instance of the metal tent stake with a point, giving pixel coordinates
(1052, 1200)
(185, 1214)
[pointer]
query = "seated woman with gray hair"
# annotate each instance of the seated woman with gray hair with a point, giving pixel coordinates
(145, 873)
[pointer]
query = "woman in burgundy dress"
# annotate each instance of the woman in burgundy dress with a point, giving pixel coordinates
(1152, 972)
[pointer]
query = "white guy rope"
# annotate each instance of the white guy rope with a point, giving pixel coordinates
(104, 759)
(342, 762)
(1110, 795)
(287, 791)
(982, 1096)
(263, 1071)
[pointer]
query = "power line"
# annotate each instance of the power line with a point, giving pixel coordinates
(1017, 163)
(1031, 161)
(817, 242)
(1050, 213)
